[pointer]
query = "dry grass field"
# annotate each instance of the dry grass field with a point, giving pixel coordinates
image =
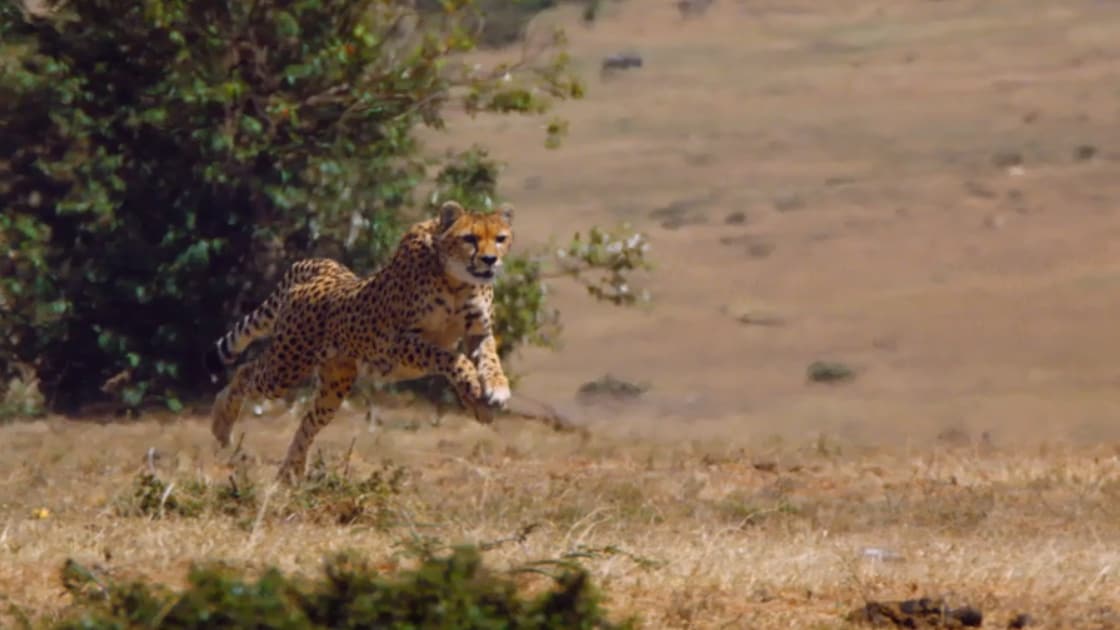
(706, 534)
(925, 191)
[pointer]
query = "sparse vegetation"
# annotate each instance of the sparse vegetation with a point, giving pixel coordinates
(610, 387)
(620, 61)
(829, 372)
(21, 397)
(917, 613)
(328, 496)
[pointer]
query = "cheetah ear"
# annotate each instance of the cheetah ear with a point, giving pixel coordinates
(449, 213)
(506, 212)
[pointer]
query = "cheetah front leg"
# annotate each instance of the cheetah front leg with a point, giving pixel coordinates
(495, 386)
(417, 353)
(335, 380)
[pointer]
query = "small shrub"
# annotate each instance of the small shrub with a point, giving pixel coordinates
(829, 372)
(609, 387)
(21, 397)
(452, 591)
(153, 498)
(745, 511)
(327, 495)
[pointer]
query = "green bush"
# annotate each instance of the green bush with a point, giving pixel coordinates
(163, 161)
(454, 591)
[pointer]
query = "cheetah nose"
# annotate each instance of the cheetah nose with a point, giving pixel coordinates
(488, 260)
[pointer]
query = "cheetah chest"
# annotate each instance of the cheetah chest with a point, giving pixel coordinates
(446, 321)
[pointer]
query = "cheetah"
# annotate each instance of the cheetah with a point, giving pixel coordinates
(403, 322)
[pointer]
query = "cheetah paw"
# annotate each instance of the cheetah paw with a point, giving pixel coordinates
(498, 396)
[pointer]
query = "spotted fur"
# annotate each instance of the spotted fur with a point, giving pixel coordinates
(405, 321)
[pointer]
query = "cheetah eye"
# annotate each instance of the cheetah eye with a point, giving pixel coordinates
(501, 238)
(470, 239)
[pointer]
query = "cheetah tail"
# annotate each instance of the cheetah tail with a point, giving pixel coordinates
(254, 326)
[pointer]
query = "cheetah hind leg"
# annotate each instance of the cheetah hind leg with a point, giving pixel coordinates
(227, 405)
(335, 381)
(265, 377)
(222, 418)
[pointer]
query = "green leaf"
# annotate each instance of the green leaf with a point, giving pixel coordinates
(286, 24)
(251, 125)
(133, 395)
(155, 116)
(174, 404)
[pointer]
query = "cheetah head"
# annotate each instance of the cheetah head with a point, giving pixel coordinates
(473, 244)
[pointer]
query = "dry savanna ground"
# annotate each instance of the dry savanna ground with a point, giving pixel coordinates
(925, 191)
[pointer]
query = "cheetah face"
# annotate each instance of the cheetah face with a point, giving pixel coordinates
(474, 244)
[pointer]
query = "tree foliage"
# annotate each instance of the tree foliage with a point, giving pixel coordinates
(162, 161)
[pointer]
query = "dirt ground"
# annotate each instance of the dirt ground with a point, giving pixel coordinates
(925, 191)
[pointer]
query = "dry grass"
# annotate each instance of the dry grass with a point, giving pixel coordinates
(684, 534)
